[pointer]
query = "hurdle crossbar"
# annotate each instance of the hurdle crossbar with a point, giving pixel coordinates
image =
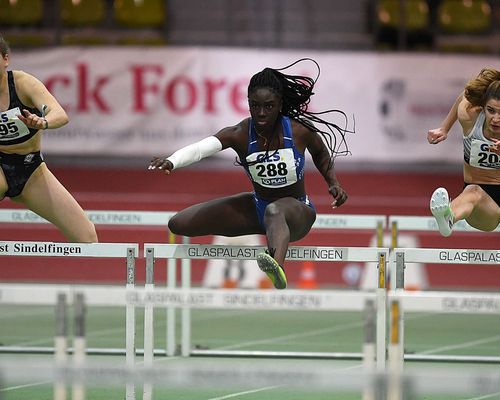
(99, 217)
(114, 217)
(56, 249)
(450, 256)
(399, 223)
(294, 253)
(186, 252)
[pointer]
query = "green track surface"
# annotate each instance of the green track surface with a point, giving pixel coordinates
(431, 334)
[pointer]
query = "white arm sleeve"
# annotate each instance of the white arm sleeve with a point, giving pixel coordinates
(195, 152)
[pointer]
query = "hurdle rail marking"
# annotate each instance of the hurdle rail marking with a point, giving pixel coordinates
(56, 249)
(99, 217)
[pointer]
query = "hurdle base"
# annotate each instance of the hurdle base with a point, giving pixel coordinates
(276, 354)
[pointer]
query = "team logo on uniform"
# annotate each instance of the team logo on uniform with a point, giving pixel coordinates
(29, 158)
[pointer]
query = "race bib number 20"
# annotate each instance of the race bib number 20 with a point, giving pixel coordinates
(482, 157)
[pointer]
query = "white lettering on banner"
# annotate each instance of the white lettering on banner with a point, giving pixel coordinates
(133, 106)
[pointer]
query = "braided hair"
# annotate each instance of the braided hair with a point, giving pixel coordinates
(295, 92)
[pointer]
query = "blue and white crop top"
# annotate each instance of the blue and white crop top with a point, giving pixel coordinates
(283, 168)
(476, 147)
(12, 129)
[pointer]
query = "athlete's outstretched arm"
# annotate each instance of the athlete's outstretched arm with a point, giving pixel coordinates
(187, 155)
(434, 136)
(38, 96)
(226, 137)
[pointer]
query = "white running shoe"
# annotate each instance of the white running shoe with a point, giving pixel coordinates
(440, 208)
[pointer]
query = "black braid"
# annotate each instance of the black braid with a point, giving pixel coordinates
(4, 47)
(295, 92)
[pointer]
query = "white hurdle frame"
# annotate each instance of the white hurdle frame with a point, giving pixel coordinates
(187, 252)
(128, 251)
(433, 301)
(375, 223)
(400, 223)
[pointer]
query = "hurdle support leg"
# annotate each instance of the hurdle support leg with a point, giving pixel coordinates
(130, 325)
(79, 344)
(186, 311)
(381, 297)
(369, 348)
(395, 357)
(399, 285)
(171, 284)
(60, 343)
(149, 324)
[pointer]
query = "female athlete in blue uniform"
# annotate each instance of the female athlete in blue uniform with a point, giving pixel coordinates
(270, 146)
(26, 109)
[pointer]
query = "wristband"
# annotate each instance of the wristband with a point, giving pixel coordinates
(46, 124)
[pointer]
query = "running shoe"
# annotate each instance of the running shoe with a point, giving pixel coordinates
(273, 270)
(440, 208)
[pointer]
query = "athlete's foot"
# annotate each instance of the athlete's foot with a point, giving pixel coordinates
(273, 270)
(440, 208)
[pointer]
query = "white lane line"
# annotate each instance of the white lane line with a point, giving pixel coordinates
(8, 389)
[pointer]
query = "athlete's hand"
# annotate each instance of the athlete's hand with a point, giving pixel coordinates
(434, 136)
(162, 164)
(495, 148)
(339, 195)
(32, 121)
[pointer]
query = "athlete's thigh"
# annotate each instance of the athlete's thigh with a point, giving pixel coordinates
(46, 196)
(227, 216)
(299, 216)
(486, 215)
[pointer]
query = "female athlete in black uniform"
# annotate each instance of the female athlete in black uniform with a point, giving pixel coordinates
(26, 109)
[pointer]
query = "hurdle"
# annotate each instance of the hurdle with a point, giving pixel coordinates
(9, 292)
(398, 223)
(449, 301)
(375, 223)
(186, 252)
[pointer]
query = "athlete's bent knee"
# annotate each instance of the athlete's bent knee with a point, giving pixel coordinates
(272, 211)
(175, 225)
(90, 235)
(476, 191)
